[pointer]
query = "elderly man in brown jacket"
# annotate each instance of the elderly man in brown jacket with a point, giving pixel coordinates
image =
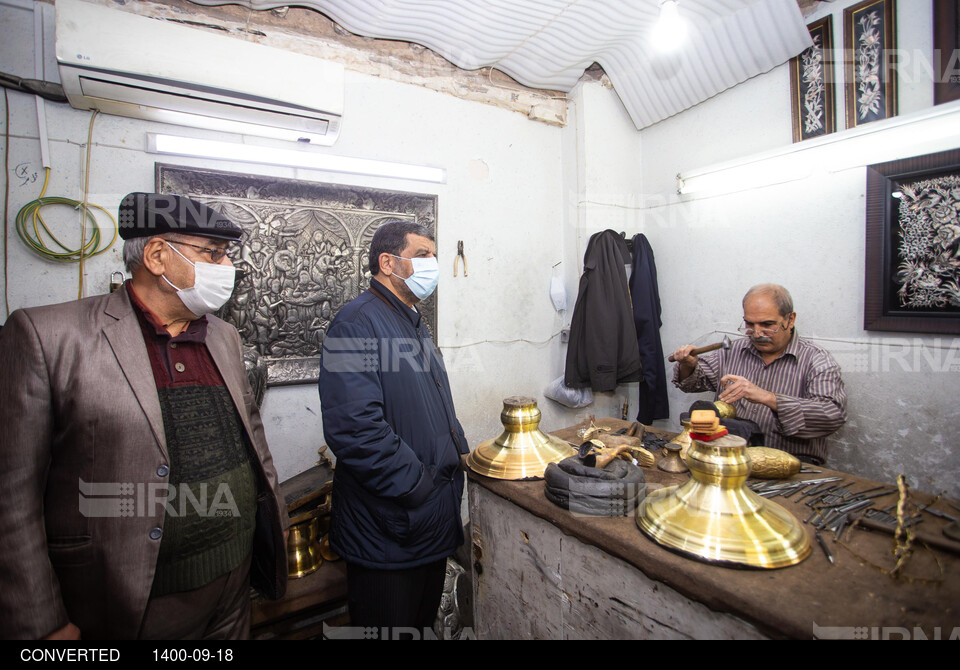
(139, 497)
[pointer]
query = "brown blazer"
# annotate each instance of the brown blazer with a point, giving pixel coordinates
(78, 405)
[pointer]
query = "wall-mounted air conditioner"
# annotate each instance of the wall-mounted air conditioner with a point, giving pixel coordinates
(130, 65)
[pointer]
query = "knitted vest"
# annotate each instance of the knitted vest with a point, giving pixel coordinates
(211, 503)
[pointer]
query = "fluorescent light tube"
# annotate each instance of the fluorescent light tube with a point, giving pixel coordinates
(159, 143)
(927, 131)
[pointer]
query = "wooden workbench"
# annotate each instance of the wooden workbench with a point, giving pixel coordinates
(540, 571)
(315, 600)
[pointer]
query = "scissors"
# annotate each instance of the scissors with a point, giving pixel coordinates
(457, 260)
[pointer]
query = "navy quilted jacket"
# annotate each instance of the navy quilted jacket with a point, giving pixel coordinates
(389, 419)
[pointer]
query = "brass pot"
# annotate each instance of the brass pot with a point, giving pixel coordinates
(682, 439)
(326, 550)
(303, 549)
(522, 451)
(714, 517)
(770, 463)
(725, 410)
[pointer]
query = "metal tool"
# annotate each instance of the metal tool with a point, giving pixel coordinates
(770, 489)
(877, 522)
(821, 488)
(722, 344)
(460, 256)
(884, 518)
(823, 545)
(942, 515)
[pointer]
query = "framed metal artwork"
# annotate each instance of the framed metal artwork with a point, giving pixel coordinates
(812, 85)
(869, 47)
(946, 50)
(303, 256)
(913, 245)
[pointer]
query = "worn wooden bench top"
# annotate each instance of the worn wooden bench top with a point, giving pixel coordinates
(854, 597)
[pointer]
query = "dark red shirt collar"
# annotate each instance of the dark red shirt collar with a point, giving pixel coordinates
(196, 330)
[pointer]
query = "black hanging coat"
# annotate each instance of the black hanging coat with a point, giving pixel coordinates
(653, 403)
(603, 352)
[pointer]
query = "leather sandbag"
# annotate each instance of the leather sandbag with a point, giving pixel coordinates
(611, 491)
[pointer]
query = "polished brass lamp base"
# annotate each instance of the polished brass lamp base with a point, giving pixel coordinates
(714, 517)
(522, 451)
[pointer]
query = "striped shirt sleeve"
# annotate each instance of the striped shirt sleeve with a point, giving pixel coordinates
(811, 399)
(820, 409)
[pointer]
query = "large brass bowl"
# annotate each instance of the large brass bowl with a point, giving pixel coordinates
(522, 450)
(715, 518)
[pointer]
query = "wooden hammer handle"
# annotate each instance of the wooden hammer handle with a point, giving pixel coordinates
(700, 350)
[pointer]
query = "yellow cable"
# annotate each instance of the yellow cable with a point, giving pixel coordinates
(86, 191)
(6, 199)
(30, 213)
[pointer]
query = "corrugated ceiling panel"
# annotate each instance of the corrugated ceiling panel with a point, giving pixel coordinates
(549, 43)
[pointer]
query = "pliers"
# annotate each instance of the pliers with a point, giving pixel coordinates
(460, 256)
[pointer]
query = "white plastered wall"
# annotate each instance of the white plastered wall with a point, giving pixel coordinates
(503, 196)
(524, 197)
(808, 235)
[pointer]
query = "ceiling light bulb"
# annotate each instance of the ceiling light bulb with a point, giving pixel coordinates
(671, 30)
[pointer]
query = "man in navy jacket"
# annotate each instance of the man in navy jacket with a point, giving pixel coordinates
(389, 418)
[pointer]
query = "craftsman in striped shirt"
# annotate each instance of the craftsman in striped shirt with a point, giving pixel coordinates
(788, 386)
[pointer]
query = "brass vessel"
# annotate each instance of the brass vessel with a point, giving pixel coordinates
(715, 518)
(303, 549)
(770, 463)
(683, 438)
(522, 451)
(326, 551)
(309, 502)
(725, 410)
(673, 460)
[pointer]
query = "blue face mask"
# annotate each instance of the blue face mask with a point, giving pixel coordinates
(426, 275)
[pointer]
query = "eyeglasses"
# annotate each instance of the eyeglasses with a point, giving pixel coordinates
(762, 332)
(216, 253)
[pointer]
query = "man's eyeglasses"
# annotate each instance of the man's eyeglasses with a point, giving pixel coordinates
(762, 332)
(216, 253)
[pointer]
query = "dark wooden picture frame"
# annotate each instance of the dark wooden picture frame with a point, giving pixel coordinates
(946, 50)
(812, 85)
(912, 281)
(869, 54)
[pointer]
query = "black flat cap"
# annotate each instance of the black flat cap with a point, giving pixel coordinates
(148, 214)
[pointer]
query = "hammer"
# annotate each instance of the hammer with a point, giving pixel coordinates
(723, 344)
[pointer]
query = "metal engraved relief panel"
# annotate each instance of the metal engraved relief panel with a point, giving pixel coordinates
(303, 256)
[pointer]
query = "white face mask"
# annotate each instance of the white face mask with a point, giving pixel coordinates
(426, 275)
(212, 286)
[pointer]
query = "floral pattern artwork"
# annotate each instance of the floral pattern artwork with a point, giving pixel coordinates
(811, 62)
(869, 54)
(870, 58)
(912, 252)
(812, 86)
(928, 275)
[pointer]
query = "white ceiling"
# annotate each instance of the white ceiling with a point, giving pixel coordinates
(549, 43)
